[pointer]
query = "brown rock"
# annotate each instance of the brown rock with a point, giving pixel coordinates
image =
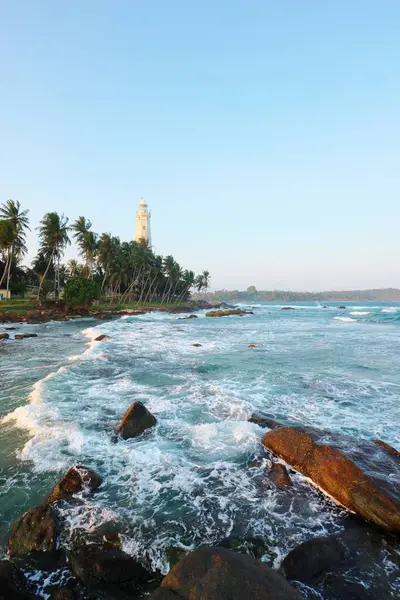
(219, 574)
(388, 448)
(337, 475)
(36, 530)
(263, 421)
(62, 593)
(288, 308)
(22, 336)
(279, 475)
(308, 561)
(102, 338)
(252, 345)
(4, 336)
(226, 313)
(197, 345)
(135, 421)
(13, 585)
(163, 594)
(75, 480)
(189, 317)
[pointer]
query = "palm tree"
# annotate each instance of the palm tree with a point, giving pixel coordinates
(53, 236)
(14, 233)
(86, 240)
(206, 280)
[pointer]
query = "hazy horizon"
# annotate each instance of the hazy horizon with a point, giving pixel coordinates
(264, 137)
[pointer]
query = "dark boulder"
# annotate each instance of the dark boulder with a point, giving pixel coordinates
(187, 318)
(230, 312)
(341, 307)
(102, 338)
(312, 559)
(338, 475)
(219, 574)
(288, 308)
(135, 421)
(256, 547)
(4, 336)
(174, 555)
(336, 587)
(164, 594)
(265, 422)
(104, 567)
(75, 480)
(22, 336)
(197, 345)
(252, 346)
(13, 585)
(62, 593)
(279, 475)
(36, 530)
(388, 448)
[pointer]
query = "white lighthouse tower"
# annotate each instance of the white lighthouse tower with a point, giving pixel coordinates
(143, 214)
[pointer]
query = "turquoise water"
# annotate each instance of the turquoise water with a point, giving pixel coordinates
(198, 477)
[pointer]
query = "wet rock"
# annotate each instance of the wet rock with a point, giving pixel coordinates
(288, 308)
(265, 422)
(219, 574)
(197, 345)
(174, 555)
(187, 318)
(75, 480)
(135, 421)
(35, 531)
(252, 346)
(341, 307)
(312, 559)
(102, 338)
(22, 336)
(4, 336)
(13, 585)
(388, 448)
(226, 313)
(279, 475)
(338, 475)
(63, 593)
(163, 594)
(336, 587)
(256, 547)
(11, 328)
(109, 569)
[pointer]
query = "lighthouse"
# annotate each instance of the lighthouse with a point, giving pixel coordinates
(143, 223)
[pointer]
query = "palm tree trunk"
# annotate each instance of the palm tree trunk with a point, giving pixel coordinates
(9, 268)
(5, 268)
(44, 276)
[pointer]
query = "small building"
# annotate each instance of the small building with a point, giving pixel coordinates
(143, 215)
(5, 294)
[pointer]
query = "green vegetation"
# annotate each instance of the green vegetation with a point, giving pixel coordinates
(126, 273)
(80, 292)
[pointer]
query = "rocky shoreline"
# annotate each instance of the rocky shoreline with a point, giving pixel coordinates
(98, 568)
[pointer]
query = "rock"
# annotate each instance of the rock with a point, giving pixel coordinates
(264, 422)
(4, 336)
(135, 421)
(109, 569)
(279, 475)
(22, 336)
(338, 475)
(256, 547)
(226, 313)
(312, 559)
(74, 481)
(163, 594)
(102, 338)
(324, 307)
(35, 531)
(337, 587)
(13, 585)
(252, 346)
(197, 345)
(189, 317)
(341, 307)
(174, 555)
(288, 308)
(388, 448)
(11, 328)
(219, 574)
(62, 593)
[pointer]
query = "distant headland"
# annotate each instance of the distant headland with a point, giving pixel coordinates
(254, 295)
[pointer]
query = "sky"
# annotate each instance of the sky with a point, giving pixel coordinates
(264, 135)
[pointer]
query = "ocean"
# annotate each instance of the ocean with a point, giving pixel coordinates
(198, 477)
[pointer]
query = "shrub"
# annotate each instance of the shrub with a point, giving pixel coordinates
(80, 292)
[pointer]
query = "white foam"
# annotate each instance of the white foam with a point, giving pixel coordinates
(360, 313)
(345, 319)
(390, 309)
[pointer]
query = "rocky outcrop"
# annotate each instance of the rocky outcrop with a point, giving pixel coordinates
(256, 547)
(75, 480)
(312, 559)
(4, 336)
(63, 593)
(35, 531)
(230, 312)
(22, 336)
(338, 475)
(279, 475)
(219, 574)
(102, 338)
(197, 345)
(135, 421)
(109, 569)
(188, 318)
(388, 448)
(264, 421)
(13, 585)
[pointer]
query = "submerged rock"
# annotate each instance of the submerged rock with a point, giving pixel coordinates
(264, 421)
(197, 345)
(388, 448)
(187, 318)
(135, 421)
(279, 475)
(74, 481)
(341, 307)
(338, 588)
(35, 531)
(256, 547)
(22, 336)
(102, 338)
(219, 574)
(13, 585)
(338, 475)
(106, 568)
(309, 561)
(174, 555)
(4, 336)
(288, 308)
(226, 313)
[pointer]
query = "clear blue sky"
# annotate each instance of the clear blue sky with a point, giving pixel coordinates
(264, 135)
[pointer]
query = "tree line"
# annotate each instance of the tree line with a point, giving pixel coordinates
(127, 271)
